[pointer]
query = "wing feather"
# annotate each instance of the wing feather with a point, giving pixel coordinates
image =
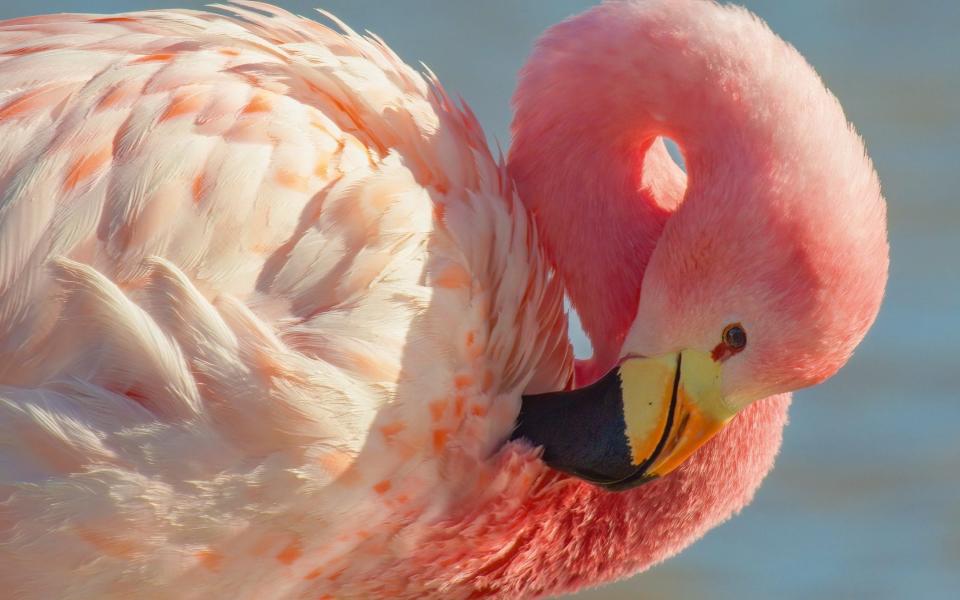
(251, 269)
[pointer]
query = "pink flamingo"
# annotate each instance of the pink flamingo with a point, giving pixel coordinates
(270, 312)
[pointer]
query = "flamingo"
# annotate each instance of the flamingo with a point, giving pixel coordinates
(274, 323)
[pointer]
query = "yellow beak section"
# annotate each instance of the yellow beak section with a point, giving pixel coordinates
(671, 406)
(639, 421)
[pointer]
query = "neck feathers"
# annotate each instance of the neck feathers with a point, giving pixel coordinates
(545, 533)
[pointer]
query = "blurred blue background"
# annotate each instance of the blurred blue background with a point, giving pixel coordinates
(865, 499)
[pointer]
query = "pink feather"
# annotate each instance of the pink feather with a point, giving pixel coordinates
(268, 304)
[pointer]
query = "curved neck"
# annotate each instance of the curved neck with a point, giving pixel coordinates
(587, 161)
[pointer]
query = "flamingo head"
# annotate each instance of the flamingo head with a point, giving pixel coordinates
(744, 299)
(766, 274)
(759, 288)
(773, 294)
(763, 283)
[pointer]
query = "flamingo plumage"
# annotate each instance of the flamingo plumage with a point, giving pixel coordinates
(269, 307)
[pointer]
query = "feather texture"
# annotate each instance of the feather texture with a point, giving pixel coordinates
(267, 306)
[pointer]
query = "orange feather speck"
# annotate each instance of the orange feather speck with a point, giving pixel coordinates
(462, 381)
(391, 429)
(290, 553)
(161, 57)
(258, 104)
(292, 181)
(86, 166)
(114, 20)
(27, 102)
(210, 559)
(112, 98)
(440, 439)
(196, 189)
(183, 105)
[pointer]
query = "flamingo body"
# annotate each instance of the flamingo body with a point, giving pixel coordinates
(218, 238)
(267, 309)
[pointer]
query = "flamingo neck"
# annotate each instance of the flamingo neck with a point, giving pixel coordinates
(599, 220)
(597, 94)
(531, 532)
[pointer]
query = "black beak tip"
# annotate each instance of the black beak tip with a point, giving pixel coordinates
(582, 433)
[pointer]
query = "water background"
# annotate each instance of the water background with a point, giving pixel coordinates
(865, 499)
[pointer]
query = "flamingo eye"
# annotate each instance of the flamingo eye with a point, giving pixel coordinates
(735, 337)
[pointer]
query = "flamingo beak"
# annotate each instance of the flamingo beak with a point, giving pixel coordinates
(662, 435)
(639, 422)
